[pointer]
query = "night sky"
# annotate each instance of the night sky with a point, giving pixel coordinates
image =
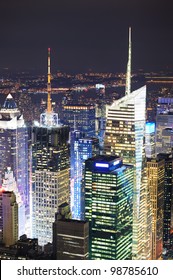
(83, 35)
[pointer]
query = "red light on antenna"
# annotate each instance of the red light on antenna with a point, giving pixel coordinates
(48, 49)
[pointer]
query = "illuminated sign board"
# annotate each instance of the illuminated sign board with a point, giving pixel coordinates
(103, 165)
(150, 127)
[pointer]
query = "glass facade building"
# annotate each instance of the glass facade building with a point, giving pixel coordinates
(85, 118)
(150, 139)
(108, 207)
(14, 154)
(80, 149)
(125, 136)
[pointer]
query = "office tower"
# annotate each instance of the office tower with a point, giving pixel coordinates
(70, 237)
(50, 170)
(125, 134)
(168, 199)
(164, 104)
(155, 174)
(8, 217)
(108, 207)
(101, 114)
(150, 140)
(14, 154)
(164, 131)
(80, 149)
(85, 117)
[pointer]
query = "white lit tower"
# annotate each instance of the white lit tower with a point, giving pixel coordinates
(14, 155)
(50, 170)
(125, 131)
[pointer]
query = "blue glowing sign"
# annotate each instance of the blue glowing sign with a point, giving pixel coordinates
(150, 127)
(103, 165)
(116, 162)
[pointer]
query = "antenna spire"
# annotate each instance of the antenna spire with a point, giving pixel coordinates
(49, 105)
(128, 74)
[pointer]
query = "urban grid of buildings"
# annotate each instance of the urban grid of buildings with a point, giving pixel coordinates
(95, 184)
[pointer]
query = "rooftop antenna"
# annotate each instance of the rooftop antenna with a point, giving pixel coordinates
(128, 74)
(49, 105)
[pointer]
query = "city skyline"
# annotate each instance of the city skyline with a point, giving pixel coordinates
(82, 36)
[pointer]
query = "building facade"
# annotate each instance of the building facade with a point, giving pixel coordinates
(8, 218)
(85, 118)
(14, 154)
(81, 148)
(70, 237)
(108, 207)
(155, 174)
(125, 136)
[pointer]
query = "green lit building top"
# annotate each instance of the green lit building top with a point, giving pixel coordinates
(108, 207)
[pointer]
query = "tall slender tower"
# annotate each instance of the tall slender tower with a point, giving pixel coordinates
(125, 131)
(128, 74)
(50, 170)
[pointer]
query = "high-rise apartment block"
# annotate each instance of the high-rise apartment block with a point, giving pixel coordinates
(108, 207)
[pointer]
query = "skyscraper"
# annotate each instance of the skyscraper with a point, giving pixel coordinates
(85, 117)
(108, 207)
(8, 217)
(125, 132)
(81, 148)
(14, 154)
(155, 174)
(150, 140)
(70, 237)
(50, 170)
(164, 130)
(168, 198)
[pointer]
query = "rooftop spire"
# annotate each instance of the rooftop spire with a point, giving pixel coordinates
(128, 74)
(49, 105)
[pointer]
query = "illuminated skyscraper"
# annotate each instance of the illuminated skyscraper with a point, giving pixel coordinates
(168, 198)
(8, 217)
(108, 207)
(155, 174)
(50, 170)
(164, 130)
(85, 117)
(81, 149)
(125, 135)
(150, 140)
(14, 154)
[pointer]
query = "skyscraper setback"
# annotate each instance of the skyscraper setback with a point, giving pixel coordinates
(50, 170)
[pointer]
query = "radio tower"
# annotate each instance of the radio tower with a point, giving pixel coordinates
(49, 104)
(49, 118)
